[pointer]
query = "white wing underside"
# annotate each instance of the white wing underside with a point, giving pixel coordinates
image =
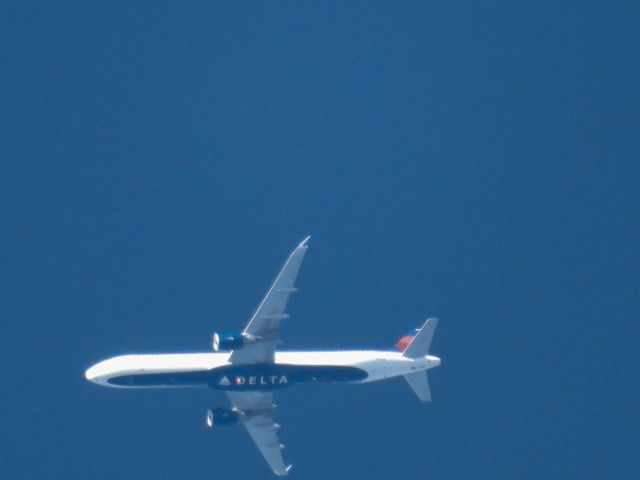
(264, 326)
(257, 417)
(263, 334)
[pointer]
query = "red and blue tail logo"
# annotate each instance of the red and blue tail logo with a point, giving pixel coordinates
(404, 341)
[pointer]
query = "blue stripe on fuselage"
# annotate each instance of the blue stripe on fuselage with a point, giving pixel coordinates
(244, 377)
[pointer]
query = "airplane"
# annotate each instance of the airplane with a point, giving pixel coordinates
(248, 367)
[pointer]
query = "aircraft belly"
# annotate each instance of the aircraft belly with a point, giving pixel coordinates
(242, 377)
(381, 369)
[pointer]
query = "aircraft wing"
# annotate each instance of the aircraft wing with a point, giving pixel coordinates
(258, 408)
(264, 326)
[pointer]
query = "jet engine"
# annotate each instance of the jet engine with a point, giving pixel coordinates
(222, 416)
(232, 341)
(227, 341)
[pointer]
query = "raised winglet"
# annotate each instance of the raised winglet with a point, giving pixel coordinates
(303, 243)
(284, 471)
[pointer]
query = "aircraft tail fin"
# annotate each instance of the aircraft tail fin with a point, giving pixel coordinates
(416, 344)
(419, 383)
(419, 347)
(404, 341)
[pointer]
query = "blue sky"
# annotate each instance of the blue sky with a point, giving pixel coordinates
(474, 162)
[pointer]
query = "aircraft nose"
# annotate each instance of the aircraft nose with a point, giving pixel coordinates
(91, 373)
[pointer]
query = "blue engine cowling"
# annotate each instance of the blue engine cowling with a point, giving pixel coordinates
(227, 341)
(222, 416)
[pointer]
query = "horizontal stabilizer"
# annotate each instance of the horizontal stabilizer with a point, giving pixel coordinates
(419, 347)
(420, 384)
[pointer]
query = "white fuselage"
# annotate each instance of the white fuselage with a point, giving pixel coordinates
(215, 370)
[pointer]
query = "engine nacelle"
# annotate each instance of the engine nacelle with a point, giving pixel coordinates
(227, 341)
(222, 416)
